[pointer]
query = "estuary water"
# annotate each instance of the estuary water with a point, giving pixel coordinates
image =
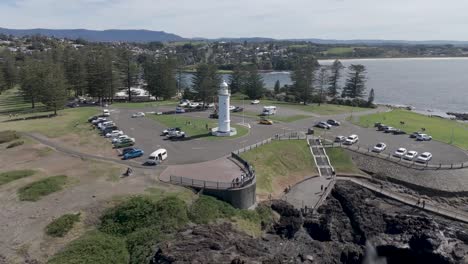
(435, 85)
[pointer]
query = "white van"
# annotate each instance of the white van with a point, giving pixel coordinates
(269, 110)
(105, 112)
(157, 157)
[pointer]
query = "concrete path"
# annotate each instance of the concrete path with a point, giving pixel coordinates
(451, 213)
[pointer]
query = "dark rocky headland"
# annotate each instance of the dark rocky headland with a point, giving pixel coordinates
(354, 226)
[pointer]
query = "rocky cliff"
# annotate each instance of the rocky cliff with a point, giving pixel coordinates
(353, 226)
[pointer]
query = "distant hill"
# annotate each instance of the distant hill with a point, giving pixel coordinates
(132, 35)
(97, 35)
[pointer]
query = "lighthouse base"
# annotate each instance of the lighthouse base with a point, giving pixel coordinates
(216, 132)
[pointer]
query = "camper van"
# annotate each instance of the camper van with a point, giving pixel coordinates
(269, 110)
(157, 157)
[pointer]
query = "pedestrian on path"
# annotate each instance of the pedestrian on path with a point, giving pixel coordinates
(419, 202)
(423, 204)
(321, 187)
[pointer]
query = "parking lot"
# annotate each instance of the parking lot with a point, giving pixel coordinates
(147, 134)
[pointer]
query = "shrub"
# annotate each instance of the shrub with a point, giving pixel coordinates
(6, 177)
(93, 248)
(60, 226)
(206, 209)
(15, 144)
(139, 212)
(7, 136)
(141, 244)
(34, 191)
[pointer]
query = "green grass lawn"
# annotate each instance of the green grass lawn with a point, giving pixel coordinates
(146, 104)
(195, 127)
(36, 190)
(278, 162)
(9, 176)
(341, 161)
(339, 50)
(12, 102)
(440, 129)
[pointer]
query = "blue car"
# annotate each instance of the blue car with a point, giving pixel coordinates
(135, 153)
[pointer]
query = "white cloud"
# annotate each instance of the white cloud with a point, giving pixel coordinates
(339, 19)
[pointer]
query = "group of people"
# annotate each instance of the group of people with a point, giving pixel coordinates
(239, 181)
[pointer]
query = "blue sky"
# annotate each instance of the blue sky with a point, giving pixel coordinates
(332, 19)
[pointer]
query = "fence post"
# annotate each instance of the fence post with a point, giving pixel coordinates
(204, 184)
(440, 165)
(451, 166)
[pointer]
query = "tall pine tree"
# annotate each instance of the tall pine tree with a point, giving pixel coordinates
(334, 79)
(356, 82)
(254, 85)
(237, 79)
(205, 82)
(303, 77)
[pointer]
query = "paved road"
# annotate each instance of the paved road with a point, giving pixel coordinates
(147, 134)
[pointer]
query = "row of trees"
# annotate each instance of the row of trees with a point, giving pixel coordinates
(8, 71)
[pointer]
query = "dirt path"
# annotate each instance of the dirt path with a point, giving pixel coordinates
(93, 186)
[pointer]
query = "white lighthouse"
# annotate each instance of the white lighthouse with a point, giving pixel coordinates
(224, 116)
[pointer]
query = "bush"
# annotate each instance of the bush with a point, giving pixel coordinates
(34, 191)
(60, 226)
(139, 212)
(15, 144)
(7, 136)
(93, 248)
(141, 244)
(206, 209)
(6, 177)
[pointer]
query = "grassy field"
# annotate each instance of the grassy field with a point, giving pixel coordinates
(444, 130)
(9, 176)
(146, 104)
(339, 50)
(12, 102)
(34, 191)
(60, 226)
(195, 127)
(278, 162)
(341, 161)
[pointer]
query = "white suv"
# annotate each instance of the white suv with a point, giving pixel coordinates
(351, 140)
(424, 157)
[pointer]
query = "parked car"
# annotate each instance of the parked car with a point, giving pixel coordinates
(157, 157)
(390, 130)
(379, 147)
(179, 110)
(410, 155)
(231, 108)
(184, 103)
(333, 122)
(123, 143)
(351, 140)
(170, 130)
(135, 153)
(105, 112)
(415, 134)
(119, 138)
(423, 137)
(424, 157)
(238, 109)
(114, 134)
(126, 150)
(214, 115)
(193, 105)
(109, 129)
(175, 135)
(254, 102)
(400, 152)
(340, 139)
(139, 114)
(210, 105)
(265, 122)
(323, 125)
(91, 119)
(399, 132)
(105, 125)
(98, 120)
(377, 124)
(382, 127)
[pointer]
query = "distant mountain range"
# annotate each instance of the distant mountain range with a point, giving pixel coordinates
(138, 35)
